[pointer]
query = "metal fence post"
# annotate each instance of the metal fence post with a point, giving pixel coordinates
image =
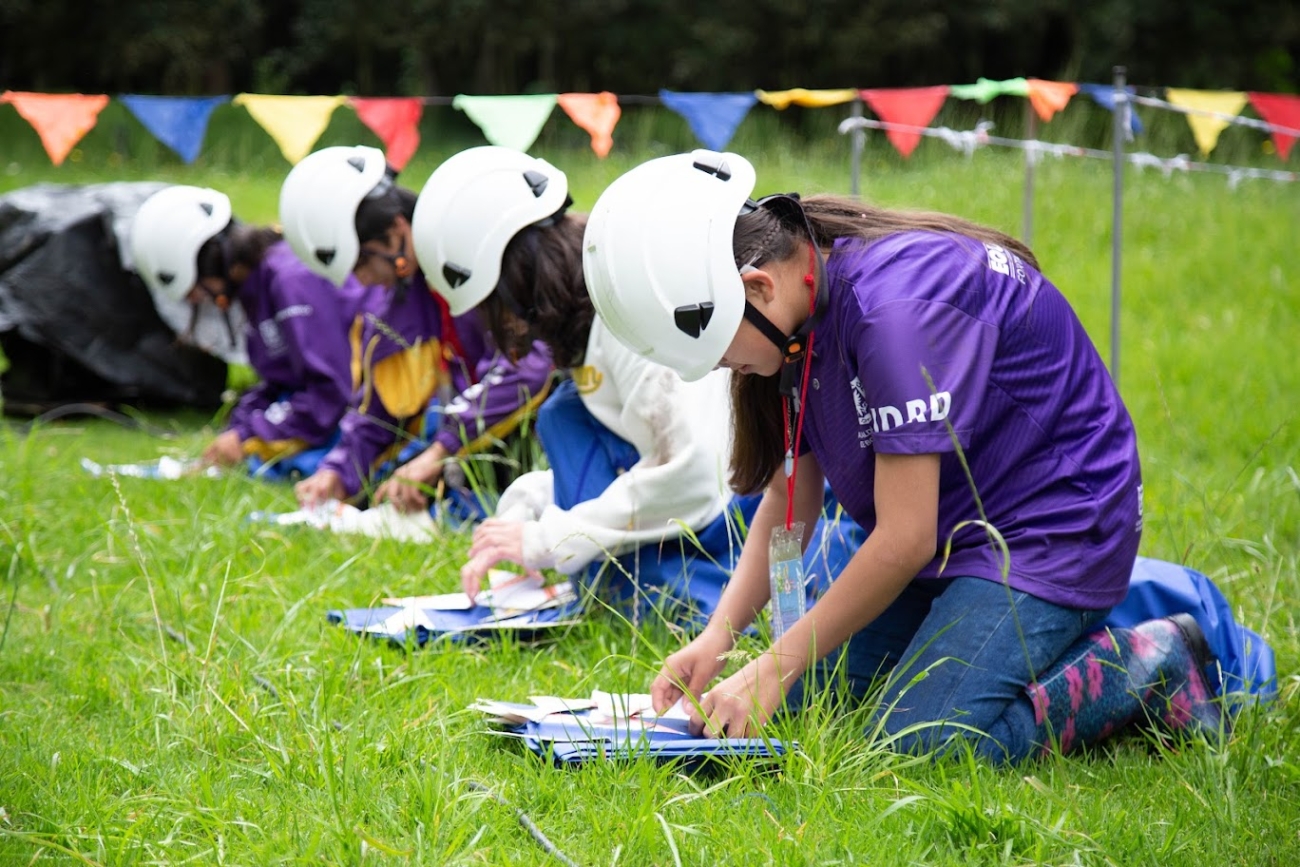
(1031, 157)
(857, 140)
(1121, 128)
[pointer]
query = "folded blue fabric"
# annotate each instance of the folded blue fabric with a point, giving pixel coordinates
(1244, 663)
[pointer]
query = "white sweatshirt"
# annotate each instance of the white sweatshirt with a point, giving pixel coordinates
(681, 431)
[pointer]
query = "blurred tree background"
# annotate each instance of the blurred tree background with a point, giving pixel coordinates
(444, 47)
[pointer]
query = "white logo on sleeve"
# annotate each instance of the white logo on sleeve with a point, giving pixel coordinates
(271, 336)
(860, 401)
(886, 418)
(277, 412)
(294, 311)
(878, 419)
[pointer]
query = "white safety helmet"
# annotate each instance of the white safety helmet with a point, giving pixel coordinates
(470, 208)
(657, 257)
(167, 232)
(318, 206)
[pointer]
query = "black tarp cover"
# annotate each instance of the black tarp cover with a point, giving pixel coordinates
(76, 324)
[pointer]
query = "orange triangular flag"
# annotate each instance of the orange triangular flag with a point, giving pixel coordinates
(1279, 109)
(597, 113)
(1049, 97)
(60, 119)
(913, 106)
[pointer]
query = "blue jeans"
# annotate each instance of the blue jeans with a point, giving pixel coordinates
(956, 655)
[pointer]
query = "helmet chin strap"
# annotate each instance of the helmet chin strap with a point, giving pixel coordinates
(769, 330)
(793, 346)
(220, 299)
(403, 266)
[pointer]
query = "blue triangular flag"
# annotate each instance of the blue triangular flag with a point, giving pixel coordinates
(1104, 95)
(179, 122)
(713, 117)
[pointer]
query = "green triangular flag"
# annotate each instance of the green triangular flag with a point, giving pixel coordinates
(509, 121)
(984, 89)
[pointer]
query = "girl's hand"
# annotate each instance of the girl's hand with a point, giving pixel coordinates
(692, 668)
(495, 541)
(403, 488)
(742, 704)
(225, 450)
(316, 489)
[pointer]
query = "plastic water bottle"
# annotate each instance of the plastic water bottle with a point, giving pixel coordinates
(785, 570)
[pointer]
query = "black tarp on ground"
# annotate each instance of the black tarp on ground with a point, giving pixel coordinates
(75, 324)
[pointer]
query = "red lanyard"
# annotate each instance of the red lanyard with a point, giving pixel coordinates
(793, 433)
(451, 339)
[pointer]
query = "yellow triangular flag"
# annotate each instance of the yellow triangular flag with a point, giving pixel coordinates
(781, 99)
(1204, 128)
(295, 122)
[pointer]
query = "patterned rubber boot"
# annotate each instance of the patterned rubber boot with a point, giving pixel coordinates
(1114, 677)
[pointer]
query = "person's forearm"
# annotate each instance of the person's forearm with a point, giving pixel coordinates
(868, 585)
(901, 544)
(750, 587)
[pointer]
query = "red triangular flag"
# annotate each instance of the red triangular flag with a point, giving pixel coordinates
(1279, 109)
(397, 123)
(60, 119)
(913, 106)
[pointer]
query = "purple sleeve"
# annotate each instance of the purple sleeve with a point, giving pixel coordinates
(364, 438)
(503, 388)
(922, 366)
(369, 432)
(318, 348)
(252, 402)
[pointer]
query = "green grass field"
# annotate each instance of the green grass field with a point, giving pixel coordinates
(170, 692)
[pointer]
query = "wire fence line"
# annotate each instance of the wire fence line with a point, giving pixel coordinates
(970, 140)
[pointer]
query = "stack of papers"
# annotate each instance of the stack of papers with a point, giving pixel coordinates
(515, 603)
(614, 726)
(166, 468)
(382, 522)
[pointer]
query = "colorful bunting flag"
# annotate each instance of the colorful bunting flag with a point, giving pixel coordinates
(1206, 129)
(397, 123)
(294, 122)
(509, 121)
(60, 119)
(912, 106)
(1049, 97)
(984, 89)
(597, 113)
(713, 117)
(782, 99)
(1104, 95)
(1279, 109)
(180, 122)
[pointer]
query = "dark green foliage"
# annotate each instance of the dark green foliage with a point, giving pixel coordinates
(635, 46)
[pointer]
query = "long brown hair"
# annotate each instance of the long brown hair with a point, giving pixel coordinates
(237, 244)
(761, 236)
(541, 293)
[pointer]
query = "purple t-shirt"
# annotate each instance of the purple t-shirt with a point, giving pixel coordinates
(931, 337)
(486, 388)
(298, 344)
